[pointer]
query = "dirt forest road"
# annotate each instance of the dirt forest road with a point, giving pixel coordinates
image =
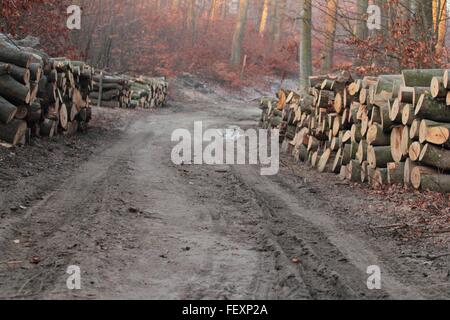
(140, 227)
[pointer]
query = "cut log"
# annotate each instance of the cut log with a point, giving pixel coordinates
(354, 171)
(395, 111)
(376, 136)
(14, 91)
(354, 146)
(116, 104)
(63, 116)
(409, 166)
(303, 153)
(407, 115)
(435, 133)
(429, 179)
(436, 157)
(20, 74)
(396, 144)
(5, 68)
(437, 88)
(379, 157)
(35, 71)
(315, 158)
(395, 172)
(337, 125)
(406, 95)
(420, 77)
(363, 96)
(386, 122)
(34, 112)
(337, 163)
(323, 164)
(22, 112)
(346, 154)
(313, 144)
(414, 151)
(406, 141)
(15, 57)
(339, 103)
(410, 95)
(48, 127)
(364, 124)
(356, 133)
(427, 108)
(414, 130)
(364, 172)
(343, 173)
(7, 111)
(446, 79)
(361, 155)
(335, 144)
(379, 178)
(13, 132)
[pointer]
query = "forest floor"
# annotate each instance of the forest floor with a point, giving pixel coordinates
(112, 202)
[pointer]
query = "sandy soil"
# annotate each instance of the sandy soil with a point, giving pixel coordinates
(140, 227)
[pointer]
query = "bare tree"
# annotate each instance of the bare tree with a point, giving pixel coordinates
(239, 33)
(328, 49)
(305, 51)
(361, 24)
(264, 16)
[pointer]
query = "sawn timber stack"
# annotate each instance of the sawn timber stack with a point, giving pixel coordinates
(387, 129)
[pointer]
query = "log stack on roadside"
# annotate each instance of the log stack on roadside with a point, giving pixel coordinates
(121, 91)
(390, 129)
(110, 91)
(39, 95)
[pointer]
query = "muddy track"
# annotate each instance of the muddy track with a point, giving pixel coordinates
(141, 227)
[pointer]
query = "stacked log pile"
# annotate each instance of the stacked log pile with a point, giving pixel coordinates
(41, 96)
(390, 129)
(110, 91)
(121, 91)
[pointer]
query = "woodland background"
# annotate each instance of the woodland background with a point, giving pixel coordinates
(238, 42)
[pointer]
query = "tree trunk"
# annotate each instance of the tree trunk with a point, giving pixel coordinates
(305, 50)
(264, 16)
(328, 49)
(441, 17)
(361, 23)
(239, 33)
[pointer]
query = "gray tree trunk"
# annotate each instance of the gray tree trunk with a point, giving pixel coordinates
(239, 33)
(305, 45)
(328, 50)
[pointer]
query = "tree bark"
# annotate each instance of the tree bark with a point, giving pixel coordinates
(305, 45)
(13, 132)
(330, 33)
(7, 111)
(435, 157)
(239, 33)
(13, 90)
